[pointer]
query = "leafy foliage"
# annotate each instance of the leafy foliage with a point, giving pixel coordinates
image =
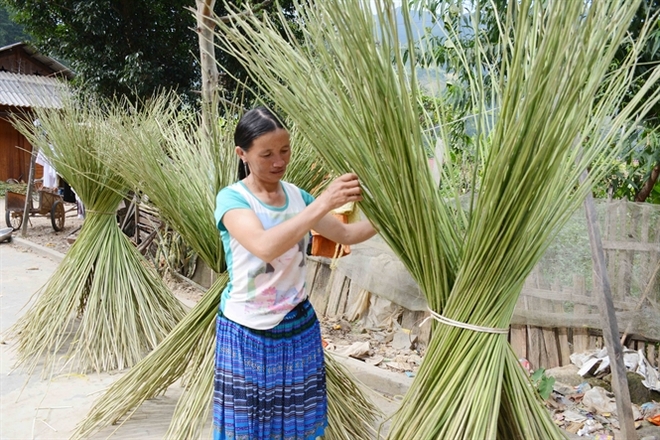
(465, 24)
(542, 382)
(10, 32)
(634, 176)
(649, 57)
(460, 26)
(126, 47)
(632, 171)
(116, 47)
(461, 41)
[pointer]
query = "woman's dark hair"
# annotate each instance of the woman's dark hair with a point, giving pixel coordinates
(253, 124)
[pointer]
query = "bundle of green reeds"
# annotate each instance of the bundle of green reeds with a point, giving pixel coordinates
(104, 299)
(559, 112)
(167, 156)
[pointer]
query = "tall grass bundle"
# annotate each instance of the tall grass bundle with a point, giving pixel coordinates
(350, 413)
(306, 169)
(350, 92)
(181, 355)
(161, 151)
(371, 105)
(104, 294)
(165, 154)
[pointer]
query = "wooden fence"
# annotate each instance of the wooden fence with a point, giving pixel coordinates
(557, 313)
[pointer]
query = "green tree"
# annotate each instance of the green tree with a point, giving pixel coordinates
(634, 176)
(470, 25)
(123, 47)
(10, 32)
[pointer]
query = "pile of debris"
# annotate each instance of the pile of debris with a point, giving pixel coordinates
(591, 411)
(392, 348)
(581, 401)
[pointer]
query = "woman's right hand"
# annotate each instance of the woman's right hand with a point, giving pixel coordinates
(344, 189)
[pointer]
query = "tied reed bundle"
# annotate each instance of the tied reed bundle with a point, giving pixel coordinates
(350, 92)
(163, 152)
(104, 295)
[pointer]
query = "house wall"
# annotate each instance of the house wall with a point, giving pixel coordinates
(15, 150)
(15, 153)
(17, 61)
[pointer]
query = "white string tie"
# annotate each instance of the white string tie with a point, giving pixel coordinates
(475, 328)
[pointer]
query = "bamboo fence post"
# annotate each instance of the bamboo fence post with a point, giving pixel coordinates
(610, 327)
(319, 290)
(550, 332)
(580, 334)
(609, 233)
(518, 340)
(562, 333)
(647, 257)
(629, 218)
(536, 353)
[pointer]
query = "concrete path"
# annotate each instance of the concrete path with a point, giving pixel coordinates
(34, 408)
(38, 408)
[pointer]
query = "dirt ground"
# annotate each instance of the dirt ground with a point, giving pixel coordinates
(40, 229)
(41, 232)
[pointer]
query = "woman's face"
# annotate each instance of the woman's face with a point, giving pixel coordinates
(269, 155)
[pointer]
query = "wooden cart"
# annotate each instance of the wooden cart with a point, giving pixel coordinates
(50, 204)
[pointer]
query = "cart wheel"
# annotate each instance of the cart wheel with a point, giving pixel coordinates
(57, 215)
(14, 219)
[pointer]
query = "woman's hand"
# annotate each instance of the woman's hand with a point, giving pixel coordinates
(244, 225)
(344, 189)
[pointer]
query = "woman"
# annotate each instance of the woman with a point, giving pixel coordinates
(269, 374)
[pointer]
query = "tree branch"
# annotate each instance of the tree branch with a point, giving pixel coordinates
(259, 7)
(646, 189)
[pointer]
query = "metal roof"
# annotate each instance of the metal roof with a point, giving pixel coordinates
(19, 90)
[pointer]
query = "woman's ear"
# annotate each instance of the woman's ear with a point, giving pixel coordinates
(241, 153)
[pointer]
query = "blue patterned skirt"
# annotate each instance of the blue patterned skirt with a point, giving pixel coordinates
(270, 384)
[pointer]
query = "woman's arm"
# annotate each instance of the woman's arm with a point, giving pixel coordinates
(245, 226)
(330, 227)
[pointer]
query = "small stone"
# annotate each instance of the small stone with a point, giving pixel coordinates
(563, 389)
(401, 341)
(574, 427)
(399, 366)
(374, 360)
(401, 358)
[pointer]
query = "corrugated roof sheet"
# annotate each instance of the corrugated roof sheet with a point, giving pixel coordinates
(31, 90)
